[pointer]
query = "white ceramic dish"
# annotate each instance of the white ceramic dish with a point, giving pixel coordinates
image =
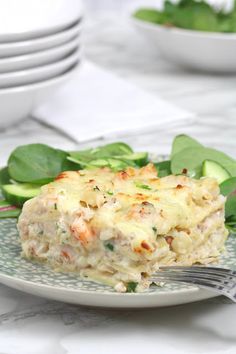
(38, 44)
(39, 279)
(40, 73)
(47, 56)
(18, 102)
(40, 17)
(215, 52)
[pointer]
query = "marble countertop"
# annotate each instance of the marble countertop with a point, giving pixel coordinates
(32, 325)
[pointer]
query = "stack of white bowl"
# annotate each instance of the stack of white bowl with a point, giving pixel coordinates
(39, 50)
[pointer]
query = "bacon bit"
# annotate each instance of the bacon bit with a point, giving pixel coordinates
(145, 245)
(123, 175)
(179, 186)
(184, 171)
(146, 203)
(121, 194)
(61, 176)
(150, 168)
(179, 229)
(140, 196)
(91, 180)
(65, 255)
(131, 171)
(169, 239)
(155, 179)
(33, 251)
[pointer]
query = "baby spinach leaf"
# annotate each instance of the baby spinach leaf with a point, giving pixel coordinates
(151, 15)
(230, 206)
(37, 163)
(191, 159)
(163, 168)
(182, 142)
(230, 223)
(115, 164)
(228, 186)
(191, 14)
(117, 156)
(109, 150)
(4, 176)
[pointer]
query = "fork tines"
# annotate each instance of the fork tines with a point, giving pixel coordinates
(220, 280)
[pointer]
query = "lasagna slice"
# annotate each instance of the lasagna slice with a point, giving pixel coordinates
(119, 227)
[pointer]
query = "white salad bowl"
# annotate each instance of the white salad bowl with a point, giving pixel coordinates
(18, 102)
(42, 43)
(47, 56)
(45, 72)
(205, 51)
(41, 18)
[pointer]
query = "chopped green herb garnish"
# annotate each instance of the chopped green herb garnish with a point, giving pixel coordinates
(143, 186)
(110, 193)
(159, 284)
(109, 246)
(55, 206)
(96, 188)
(154, 229)
(131, 287)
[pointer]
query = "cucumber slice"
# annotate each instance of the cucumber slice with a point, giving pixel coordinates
(18, 194)
(214, 169)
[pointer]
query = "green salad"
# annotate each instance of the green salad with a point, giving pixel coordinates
(31, 166)
(192, 15)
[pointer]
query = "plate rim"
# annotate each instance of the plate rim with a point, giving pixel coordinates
(95, 298)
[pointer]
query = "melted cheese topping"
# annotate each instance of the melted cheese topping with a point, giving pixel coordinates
(135, 201)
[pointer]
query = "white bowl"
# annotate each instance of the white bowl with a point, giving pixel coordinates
(42, 43)
(18, 103)
(26, 19)
(40, 73)
(206, 51)
(47, 56)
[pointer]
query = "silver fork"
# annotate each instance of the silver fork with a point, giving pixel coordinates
(220, 280)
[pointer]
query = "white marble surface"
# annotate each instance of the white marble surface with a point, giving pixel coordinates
(31, 325)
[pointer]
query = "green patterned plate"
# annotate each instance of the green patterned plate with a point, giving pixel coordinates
(40, 280)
